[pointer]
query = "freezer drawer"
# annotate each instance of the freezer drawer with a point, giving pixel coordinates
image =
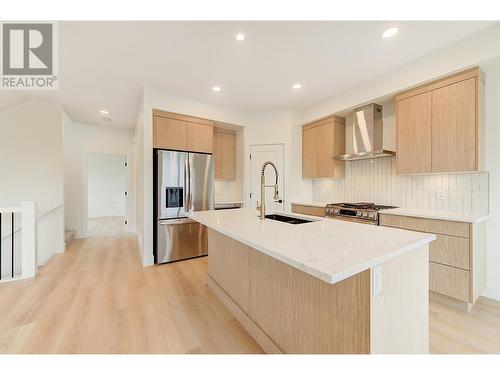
(180, 239)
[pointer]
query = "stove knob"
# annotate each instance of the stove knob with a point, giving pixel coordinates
(358, 213)
(365, 214)
(372, 215)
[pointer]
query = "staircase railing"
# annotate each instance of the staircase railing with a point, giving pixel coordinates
(18, 246)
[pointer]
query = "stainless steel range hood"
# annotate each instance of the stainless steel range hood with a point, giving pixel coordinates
(365, 131)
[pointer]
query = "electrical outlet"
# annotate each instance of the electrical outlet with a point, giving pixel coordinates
(441, 194)
(376, 281)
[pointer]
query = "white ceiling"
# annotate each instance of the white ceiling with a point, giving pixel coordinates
(106, 64)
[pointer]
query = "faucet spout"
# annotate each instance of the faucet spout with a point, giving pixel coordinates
(262, 207)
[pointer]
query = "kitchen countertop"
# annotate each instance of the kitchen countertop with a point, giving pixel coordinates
(440, 215)
(426, 214)
(331, 250)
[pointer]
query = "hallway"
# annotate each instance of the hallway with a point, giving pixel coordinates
(97, 298)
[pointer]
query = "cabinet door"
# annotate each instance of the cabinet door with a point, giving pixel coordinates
(324, 150)
(217, 156)
(454, 127)
(414, 144)
(200, 137)
(169, 133)
(309, 152)
(228, 153)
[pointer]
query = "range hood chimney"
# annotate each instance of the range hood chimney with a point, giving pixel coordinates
(364, 128)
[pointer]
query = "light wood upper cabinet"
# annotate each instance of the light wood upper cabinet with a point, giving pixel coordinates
(321, 140)
(439, 125)
(414, 134)
(454, 127)
(224, 155)
(169, 133)
(309, 141)
(200, 137)
(173, 131)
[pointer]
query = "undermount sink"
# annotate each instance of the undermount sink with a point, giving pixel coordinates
(288, 219)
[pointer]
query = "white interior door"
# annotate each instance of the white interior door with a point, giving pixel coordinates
(107, 184)
(259, 155)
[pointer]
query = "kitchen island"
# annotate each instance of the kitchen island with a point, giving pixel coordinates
(325, 286)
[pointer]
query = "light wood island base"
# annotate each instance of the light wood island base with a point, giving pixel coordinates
(289, 311)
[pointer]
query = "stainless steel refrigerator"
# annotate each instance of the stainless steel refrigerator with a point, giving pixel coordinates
(184, 183)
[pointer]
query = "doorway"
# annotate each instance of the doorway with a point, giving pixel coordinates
(259, 154)
(107, 194)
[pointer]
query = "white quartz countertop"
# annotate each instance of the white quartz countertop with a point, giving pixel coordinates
(331, 250)
(440, 215)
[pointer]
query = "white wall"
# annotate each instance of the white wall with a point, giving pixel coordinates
(274, 126)
(79, 140)
(31, 167)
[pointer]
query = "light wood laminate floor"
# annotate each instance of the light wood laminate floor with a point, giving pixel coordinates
(97, 298)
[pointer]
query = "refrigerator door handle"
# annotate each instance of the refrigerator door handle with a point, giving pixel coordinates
(186, 184)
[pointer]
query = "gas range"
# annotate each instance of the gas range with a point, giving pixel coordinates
(362, 212)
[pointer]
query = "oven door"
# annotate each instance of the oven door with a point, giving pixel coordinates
(180, 239)
(354, 219)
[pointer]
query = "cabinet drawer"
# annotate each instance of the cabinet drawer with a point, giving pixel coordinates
(308, 210)
(451, 251)
(450, 281)
(450, 228)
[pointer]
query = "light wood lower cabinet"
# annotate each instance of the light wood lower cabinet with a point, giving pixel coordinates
(308, 210)
(303, 314)
(450, 281)
(450, 250)
(298, 312)
(287, 310)
(230, 266)
(457, 262)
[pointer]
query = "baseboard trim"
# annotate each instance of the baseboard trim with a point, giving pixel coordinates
(452, 302)
(492, 292)
(250, 326)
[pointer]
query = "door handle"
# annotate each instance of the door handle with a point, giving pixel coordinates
(186, 184)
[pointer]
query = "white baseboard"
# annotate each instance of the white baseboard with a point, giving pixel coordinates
(492, 292)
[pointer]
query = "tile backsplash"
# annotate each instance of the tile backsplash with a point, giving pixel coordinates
(221, 191)
(376, 181)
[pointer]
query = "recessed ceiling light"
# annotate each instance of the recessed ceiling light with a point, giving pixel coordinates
(390, 32)
(240, 36)
(104, 112)
(296, 86)
(216, 88)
